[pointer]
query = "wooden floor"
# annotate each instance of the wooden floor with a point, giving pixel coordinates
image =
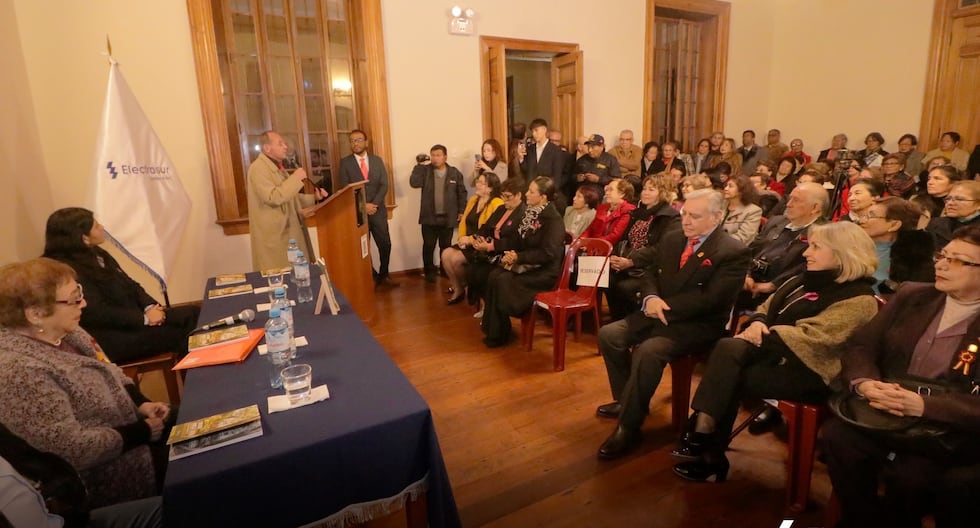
(520, 440)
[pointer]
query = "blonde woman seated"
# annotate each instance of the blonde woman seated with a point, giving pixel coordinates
(485, 200)
(790, 348)
(743, 216)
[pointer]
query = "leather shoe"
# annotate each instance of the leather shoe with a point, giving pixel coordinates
(456, 300)
(494, 343)
(386, 282)
(700, 471)
(621, 442)
(609, 410)
(692, 446)
(766, 421)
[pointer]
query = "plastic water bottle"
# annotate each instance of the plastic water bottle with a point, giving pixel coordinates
(277, 340)
(301, 274)
(291, 251)
(286, 313)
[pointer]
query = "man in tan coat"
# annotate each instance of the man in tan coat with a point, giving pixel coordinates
(273, 201)
(628, 155)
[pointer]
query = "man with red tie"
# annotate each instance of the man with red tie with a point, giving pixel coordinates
(361, 166)
(692, 279)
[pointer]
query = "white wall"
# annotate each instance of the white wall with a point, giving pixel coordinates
(434, 81)
(849, 66)
(784, 55)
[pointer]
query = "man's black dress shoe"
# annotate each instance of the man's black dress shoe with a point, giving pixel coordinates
(692, 445)
(767, 421)
(385, 282)
(621, 442)
(700, 470)
(609, 410)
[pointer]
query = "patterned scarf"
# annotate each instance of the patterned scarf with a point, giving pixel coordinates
(530, 221)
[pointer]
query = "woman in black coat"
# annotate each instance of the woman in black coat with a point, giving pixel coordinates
(530, 263)
(125, 320)
(648, 224)
(499, 231)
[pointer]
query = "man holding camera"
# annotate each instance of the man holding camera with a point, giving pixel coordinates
(443, 202)
(777, 251)
(361, 166)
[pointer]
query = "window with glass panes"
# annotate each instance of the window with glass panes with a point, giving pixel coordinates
(286, 66)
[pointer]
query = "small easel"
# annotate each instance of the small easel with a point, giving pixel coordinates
(326, 287)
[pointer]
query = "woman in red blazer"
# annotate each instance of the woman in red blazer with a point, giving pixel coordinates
(612, 217)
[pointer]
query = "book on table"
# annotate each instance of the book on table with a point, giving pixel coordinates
(219, 430)
(228, 291)
(221, 353)
(228, 279)
(217, 337)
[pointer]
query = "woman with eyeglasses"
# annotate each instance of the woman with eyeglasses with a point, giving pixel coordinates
(899, 183)
(904, 252)
(62, 396)
(926, 332)
(872, 154)
(962, 209)
(127, 322)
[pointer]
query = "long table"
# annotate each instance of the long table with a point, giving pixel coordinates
(370, 447)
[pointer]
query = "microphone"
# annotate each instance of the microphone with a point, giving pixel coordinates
(244, 316)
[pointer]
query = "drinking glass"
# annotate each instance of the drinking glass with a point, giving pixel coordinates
(296, 380)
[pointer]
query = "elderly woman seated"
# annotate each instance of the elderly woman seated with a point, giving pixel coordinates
(579, 215)
(127, 321)
(913, 365)
(962, 209)
(790, 348)
(62, 396)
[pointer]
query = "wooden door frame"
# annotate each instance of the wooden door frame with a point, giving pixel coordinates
(486, 42)
(720, 13)
(943, 15)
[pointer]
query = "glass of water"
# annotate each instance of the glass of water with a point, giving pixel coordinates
(275, 281)
(296, 380)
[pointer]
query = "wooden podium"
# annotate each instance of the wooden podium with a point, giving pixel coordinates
(345, 245)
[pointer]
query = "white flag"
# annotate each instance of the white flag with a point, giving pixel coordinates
(138, 197)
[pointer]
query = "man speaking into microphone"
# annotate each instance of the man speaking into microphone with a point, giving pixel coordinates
(274, 202)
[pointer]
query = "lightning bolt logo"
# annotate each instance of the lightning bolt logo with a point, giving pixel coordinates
(112, 170)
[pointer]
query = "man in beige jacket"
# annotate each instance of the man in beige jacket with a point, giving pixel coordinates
(273, 202)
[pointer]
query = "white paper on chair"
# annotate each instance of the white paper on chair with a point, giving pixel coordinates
(589, 268)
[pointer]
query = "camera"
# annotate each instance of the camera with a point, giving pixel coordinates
(421, 158)
(760, 268)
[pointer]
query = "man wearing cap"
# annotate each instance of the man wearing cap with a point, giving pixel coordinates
(598, 167)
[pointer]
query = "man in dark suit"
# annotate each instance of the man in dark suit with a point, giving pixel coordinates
(544, 158)
(361, 166)
(687, 298)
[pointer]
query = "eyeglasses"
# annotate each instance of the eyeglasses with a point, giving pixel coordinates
(870, 216)
(891, 162)
(357, 140)
(953, 261)
(506, 196)
(958, 199)
(79, 297)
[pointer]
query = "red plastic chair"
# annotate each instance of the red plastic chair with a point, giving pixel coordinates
(563, 302)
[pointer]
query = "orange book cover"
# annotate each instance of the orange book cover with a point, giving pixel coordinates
(232, 352)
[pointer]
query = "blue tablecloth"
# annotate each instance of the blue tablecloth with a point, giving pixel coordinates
(372, 440)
